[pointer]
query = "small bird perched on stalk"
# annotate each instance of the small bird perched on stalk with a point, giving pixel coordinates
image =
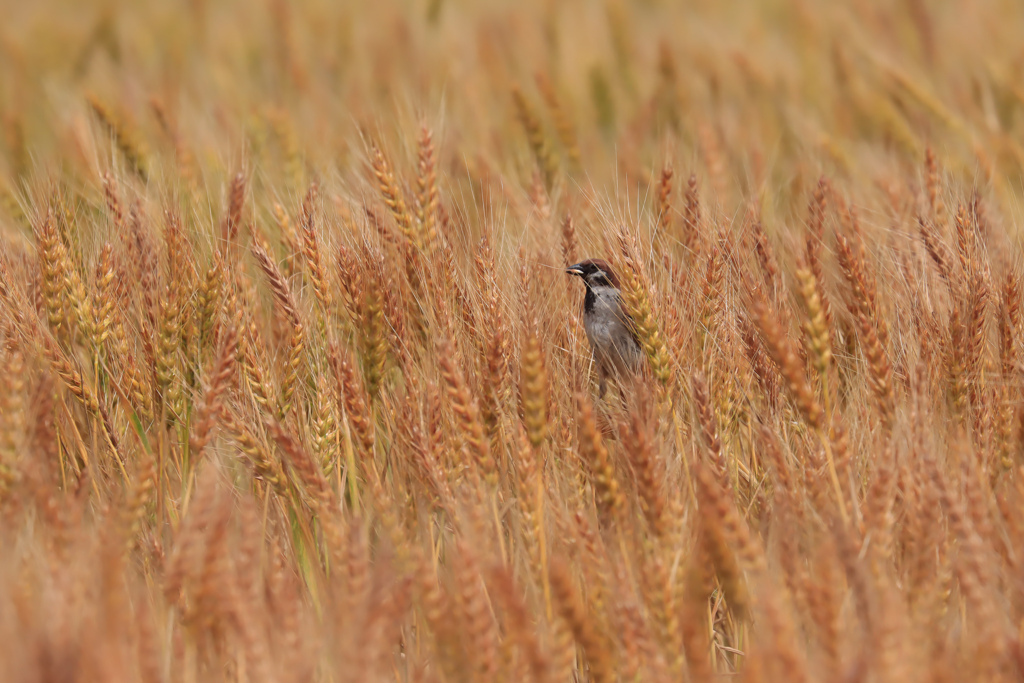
(609, 327)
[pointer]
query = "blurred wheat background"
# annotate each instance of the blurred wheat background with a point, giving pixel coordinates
(294, 386)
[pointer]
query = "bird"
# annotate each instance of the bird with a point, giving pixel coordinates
(610, 329)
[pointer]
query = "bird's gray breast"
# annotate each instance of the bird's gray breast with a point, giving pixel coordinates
(608, 332)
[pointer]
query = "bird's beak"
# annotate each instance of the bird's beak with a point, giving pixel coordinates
(574, 270)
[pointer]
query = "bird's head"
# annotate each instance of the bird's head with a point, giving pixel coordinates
(595, 273)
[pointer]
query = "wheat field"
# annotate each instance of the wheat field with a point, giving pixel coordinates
(295, 387)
